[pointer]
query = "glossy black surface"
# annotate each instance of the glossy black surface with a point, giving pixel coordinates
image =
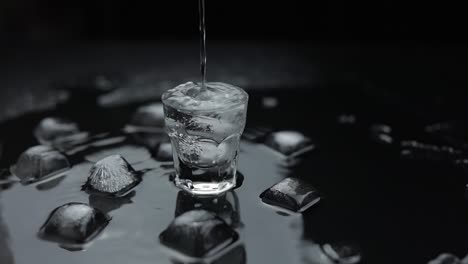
(396, 210)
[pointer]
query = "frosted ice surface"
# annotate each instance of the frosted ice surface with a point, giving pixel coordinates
(445, 258)
(51, 129)
(198, 233)
(73, 223)
(292, 194)
(287, 142)
(112, 175)
(39, 162)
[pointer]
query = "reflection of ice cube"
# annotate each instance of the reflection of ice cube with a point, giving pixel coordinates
(288, 142)
(51, 129)
(343, 253)
(225, 206)
(112, 175)
(291, 194)
(313, 254)
(445, 258)
(198, 234)
(151, 115)
(164, 152)
(108, 204)
(236, 255)
(39, 162)
(73, 223)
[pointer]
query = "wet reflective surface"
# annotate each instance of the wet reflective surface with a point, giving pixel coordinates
(376, 206)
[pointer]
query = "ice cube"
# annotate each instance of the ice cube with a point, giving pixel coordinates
(225, 206)
(151, 116)
(164, 152)
(73, 223)
(52, 129)
(445, 258)
(198, 233)
(343, 253)
(289, 142)
(465, 260)
(292, 194)
(112, 175)
(39, 162)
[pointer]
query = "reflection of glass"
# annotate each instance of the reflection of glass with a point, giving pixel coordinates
(225, 206)
(205, 125)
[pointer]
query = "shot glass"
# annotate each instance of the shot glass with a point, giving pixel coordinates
(205, 127)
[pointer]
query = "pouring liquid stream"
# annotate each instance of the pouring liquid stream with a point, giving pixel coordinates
(202, 44)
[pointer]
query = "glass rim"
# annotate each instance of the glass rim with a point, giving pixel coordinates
(243, 101)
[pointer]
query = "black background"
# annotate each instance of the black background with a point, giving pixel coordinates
(326, 21)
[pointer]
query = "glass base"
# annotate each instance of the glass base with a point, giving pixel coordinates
(204, 188)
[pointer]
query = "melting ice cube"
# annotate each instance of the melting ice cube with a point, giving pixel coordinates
(445, 258)
(112, 175)
(51, 129)
(39, 162)
(343, 253)
(198, 233)
(289, 143)
(164, 152)
(149, 116)
(73, 223)
(291, 194)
